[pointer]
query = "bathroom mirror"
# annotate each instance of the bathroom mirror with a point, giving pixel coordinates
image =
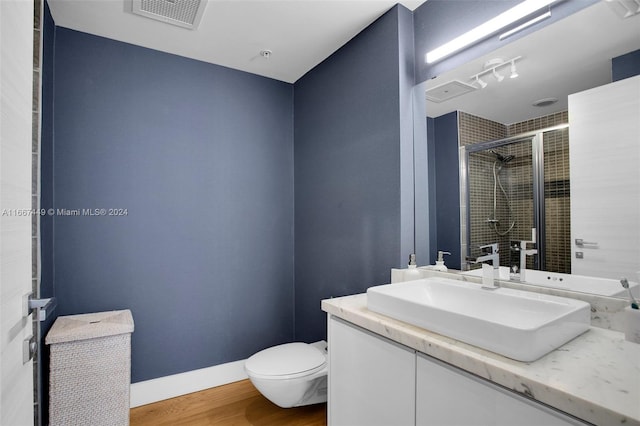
(500, 119)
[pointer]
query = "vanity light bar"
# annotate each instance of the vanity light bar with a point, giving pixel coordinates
(484, 30)
(519, 28)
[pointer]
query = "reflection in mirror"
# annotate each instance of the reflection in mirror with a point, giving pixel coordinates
(513, 138)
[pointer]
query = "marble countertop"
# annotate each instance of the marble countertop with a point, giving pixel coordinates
(595, 377)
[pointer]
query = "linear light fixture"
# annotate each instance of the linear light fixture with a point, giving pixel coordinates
(492, 26)
(519, 28)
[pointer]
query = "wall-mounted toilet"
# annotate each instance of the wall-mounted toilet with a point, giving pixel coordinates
(290, 375)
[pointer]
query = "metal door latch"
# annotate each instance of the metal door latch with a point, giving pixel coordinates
(581, 243)
(42, 307)
(29, 349)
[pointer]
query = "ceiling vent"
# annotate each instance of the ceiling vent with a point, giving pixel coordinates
(449, 90)
(183, 13)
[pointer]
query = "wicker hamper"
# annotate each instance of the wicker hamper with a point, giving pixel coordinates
(90, 369)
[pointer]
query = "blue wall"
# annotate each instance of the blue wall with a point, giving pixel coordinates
(46, 153)
(625, 66)
(447, 187)
(349, 146)
(201, 157)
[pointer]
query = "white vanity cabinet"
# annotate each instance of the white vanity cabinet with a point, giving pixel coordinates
(371, 379)
(375, 381)
(448, 396)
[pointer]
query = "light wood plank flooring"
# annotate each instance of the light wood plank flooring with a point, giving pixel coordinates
(237, 403)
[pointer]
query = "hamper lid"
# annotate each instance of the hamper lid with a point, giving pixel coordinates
(290, 358)
(90, 326)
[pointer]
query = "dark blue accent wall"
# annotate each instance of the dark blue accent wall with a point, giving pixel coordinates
(46, 153)
(201, 158)
(47, 288)
(349, 145)
(447, 186)
(625, 66)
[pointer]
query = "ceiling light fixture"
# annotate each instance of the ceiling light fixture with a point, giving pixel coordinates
(484, 30)
(527, 24)
(480, 82)
(492, 66)
(514, 72)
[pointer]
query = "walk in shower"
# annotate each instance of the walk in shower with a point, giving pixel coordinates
(511, 186)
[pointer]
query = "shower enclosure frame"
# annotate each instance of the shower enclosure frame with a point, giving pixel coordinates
(538, 183)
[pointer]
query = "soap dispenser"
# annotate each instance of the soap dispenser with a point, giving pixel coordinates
(440, 266)
(412, 272)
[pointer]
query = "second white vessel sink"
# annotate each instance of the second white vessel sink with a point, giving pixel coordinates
(517, 324)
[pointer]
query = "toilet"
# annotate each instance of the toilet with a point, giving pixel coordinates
(290, 375)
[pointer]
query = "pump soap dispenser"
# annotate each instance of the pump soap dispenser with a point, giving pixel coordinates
(412, 272)
(440, 266)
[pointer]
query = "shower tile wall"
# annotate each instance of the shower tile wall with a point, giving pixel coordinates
(516, 179)
(557, 201)
(550, 120)
(473, 129)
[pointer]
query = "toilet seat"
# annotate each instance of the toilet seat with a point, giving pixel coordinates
(288, 361)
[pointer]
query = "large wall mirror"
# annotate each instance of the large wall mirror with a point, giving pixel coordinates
(502, 150)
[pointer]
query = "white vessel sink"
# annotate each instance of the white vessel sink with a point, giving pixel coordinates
(517, 324)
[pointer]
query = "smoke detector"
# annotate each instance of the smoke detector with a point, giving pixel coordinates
(183, 13)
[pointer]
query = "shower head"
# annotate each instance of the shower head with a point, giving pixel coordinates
(503, 158)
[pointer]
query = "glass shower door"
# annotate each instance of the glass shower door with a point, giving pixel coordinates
(515, 185)
(500, 196)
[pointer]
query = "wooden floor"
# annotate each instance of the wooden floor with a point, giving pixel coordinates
(237, 403)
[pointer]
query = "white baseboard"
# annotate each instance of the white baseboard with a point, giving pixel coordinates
(154, 390)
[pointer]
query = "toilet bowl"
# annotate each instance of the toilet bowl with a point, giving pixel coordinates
(290, 375)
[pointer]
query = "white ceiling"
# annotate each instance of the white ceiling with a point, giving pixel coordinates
(569, 56)
(300, 33)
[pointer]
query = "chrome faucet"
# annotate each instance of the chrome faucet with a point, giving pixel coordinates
(489, 272)
(492, 255)
(524, 252)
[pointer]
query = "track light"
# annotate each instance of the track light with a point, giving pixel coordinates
(480, 82)
(492, 66)
(514, 73)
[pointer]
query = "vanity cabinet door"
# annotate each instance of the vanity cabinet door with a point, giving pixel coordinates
(448, 396)
(371, 379)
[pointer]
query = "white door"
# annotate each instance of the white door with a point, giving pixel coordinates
(604, 152)
(16, 68)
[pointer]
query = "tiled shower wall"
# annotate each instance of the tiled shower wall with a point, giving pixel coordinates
(516, 178)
